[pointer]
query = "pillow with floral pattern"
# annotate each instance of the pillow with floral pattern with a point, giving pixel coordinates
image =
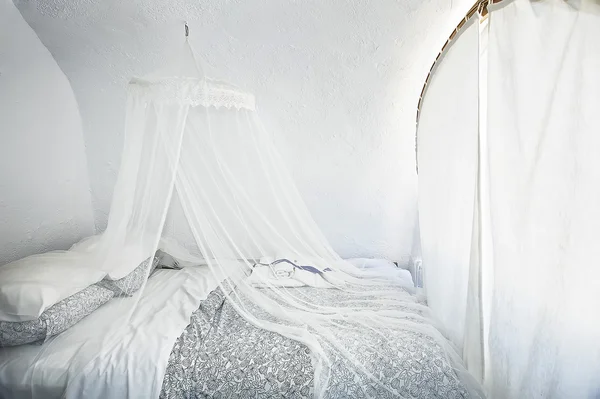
(56, 319)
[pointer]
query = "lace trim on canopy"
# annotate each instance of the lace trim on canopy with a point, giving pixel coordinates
(194, 92)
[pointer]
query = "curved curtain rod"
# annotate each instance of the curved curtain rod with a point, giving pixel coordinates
(480, 7)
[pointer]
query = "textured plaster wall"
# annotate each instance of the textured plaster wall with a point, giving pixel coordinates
(337, 82)
(45, 198)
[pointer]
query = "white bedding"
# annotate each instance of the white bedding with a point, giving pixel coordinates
(133, 357)
(285, 275)
(387, 266)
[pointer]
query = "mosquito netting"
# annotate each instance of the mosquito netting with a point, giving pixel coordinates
(200, 179)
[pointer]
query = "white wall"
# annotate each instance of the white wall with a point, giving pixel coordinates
(337, 81)
(44, 191)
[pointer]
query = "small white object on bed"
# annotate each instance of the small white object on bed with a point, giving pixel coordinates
(269, 273)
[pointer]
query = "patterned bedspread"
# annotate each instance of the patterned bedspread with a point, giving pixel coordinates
(220, 355)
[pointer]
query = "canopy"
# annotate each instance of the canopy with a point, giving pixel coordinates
(201, 180)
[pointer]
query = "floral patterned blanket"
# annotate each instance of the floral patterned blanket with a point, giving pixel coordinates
(221, 355)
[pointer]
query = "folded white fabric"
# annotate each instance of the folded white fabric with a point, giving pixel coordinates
(285, 274)
(31, 285)
(311, 262)
(276, 276)
(314, 272)
(317, 280)
(385, 268)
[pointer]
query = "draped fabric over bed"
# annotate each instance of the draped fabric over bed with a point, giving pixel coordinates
(543, 134)
(521, 149)
(196, 146)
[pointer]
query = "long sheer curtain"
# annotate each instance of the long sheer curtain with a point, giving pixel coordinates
(448, 132)
(509, 180)
(543, 133)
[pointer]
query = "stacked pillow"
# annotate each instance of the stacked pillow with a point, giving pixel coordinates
(56, 319)
(43, 295)
(31, 285)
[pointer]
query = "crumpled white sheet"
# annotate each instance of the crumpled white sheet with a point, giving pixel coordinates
(285, 275)
(133, 355)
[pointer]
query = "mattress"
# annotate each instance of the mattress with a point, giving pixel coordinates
(185, 340)
(220, 355)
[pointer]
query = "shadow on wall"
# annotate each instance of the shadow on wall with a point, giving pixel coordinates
(45, 199)
(338, 81)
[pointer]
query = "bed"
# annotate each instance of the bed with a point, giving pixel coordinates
(187, 341)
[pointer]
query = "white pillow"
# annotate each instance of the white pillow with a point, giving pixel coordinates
(122, 256)
(31, 285)
(87, 244)
(262, 276)
(366, 263)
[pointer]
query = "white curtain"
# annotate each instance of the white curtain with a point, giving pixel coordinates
(447, 136)
(509, 194)
(543, 155)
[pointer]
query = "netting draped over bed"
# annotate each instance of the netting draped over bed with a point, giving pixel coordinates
(199, 177)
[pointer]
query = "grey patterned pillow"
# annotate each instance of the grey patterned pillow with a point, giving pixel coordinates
(56, 318)
(129, 284)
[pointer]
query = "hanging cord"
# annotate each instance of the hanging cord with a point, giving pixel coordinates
(197, 63)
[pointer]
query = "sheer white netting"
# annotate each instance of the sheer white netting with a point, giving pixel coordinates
(200, 178)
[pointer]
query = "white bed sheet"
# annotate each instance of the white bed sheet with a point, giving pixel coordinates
(132, 359)
(385, 266)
